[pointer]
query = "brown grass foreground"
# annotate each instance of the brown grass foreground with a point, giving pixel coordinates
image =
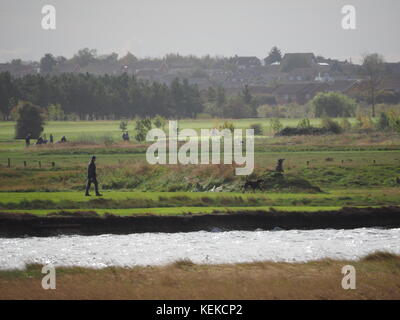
(378, 277)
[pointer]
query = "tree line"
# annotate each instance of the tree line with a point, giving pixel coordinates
(97, 97)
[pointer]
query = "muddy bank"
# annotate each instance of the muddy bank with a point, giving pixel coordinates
(17, 225)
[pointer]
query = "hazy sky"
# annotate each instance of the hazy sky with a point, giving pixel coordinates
(215, 27)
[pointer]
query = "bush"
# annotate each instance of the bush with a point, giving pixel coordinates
(383, 122)
(305, 128)
(290, 131)
(236, 108)
(304, 124)
(394, 121)
(258, 130)
(331, 126)
(142, 126)
(213, 110)
(55, 112)
(159, 122)
(345, 124)
(72, 117)
(108, 140)
(276, 125)
(123, 125)
(30, 119)
(227, 125)
(365, 123)
(332, 104)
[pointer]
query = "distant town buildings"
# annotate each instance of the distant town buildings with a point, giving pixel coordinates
(296, 78)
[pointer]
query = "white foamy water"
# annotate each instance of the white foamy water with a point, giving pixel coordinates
(200, 247)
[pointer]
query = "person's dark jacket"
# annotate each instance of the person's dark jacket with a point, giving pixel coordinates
(92, 170)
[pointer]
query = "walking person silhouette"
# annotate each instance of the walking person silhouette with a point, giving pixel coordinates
(92, 177)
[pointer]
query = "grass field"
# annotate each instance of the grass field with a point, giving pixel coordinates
(350, 169)
(377, 278)
(75, 129)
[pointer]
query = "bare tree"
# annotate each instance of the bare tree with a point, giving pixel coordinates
(373, 67)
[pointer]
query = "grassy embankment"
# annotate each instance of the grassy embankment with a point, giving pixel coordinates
(377, 277)
(167, 203)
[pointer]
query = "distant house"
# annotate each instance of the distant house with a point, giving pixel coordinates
(292, 61)
(19, 70)
(393, 68)
(148, 69)
(102, 67)
(148, 74)
(301, 74)
(67, 67)
(341, 86)
(246, 62)
(299, 93)
(391, 84)
(261, 90)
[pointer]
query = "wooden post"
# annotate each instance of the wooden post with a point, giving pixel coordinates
(9, 163)
(40, 164)
(24, 164)
(53, 164)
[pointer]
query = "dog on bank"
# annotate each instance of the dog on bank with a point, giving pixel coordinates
(253, 185)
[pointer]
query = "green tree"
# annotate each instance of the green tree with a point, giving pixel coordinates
(85, 56)
(123, 125)
(55, 112)
(221, 96)
(30, 119)
(211, 95)
(383, 122)
(333, 104)
(373, 67)
(345, 124)
(275, 125)
(159, 122)
(275, 55)
(142, 126)
(8, 93)
(304, 124)
(47, 63)
(235, 108)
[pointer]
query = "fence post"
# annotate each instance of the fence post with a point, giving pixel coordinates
(53, 164)
(40, 164)
(24, 164)
(9, 163)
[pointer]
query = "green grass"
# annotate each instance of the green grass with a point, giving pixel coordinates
(75, 129)
(350, 169)
(180, 202)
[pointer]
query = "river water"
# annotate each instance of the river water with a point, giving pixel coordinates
(199, 247)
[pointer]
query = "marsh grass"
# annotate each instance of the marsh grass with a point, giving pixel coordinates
(377, 278)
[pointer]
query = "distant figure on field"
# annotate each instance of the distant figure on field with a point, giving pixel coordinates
(40, 140)
(279, 166)
(51, 138)
(92, 177)
(125, 136)
(63, 139)
(28, 139)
